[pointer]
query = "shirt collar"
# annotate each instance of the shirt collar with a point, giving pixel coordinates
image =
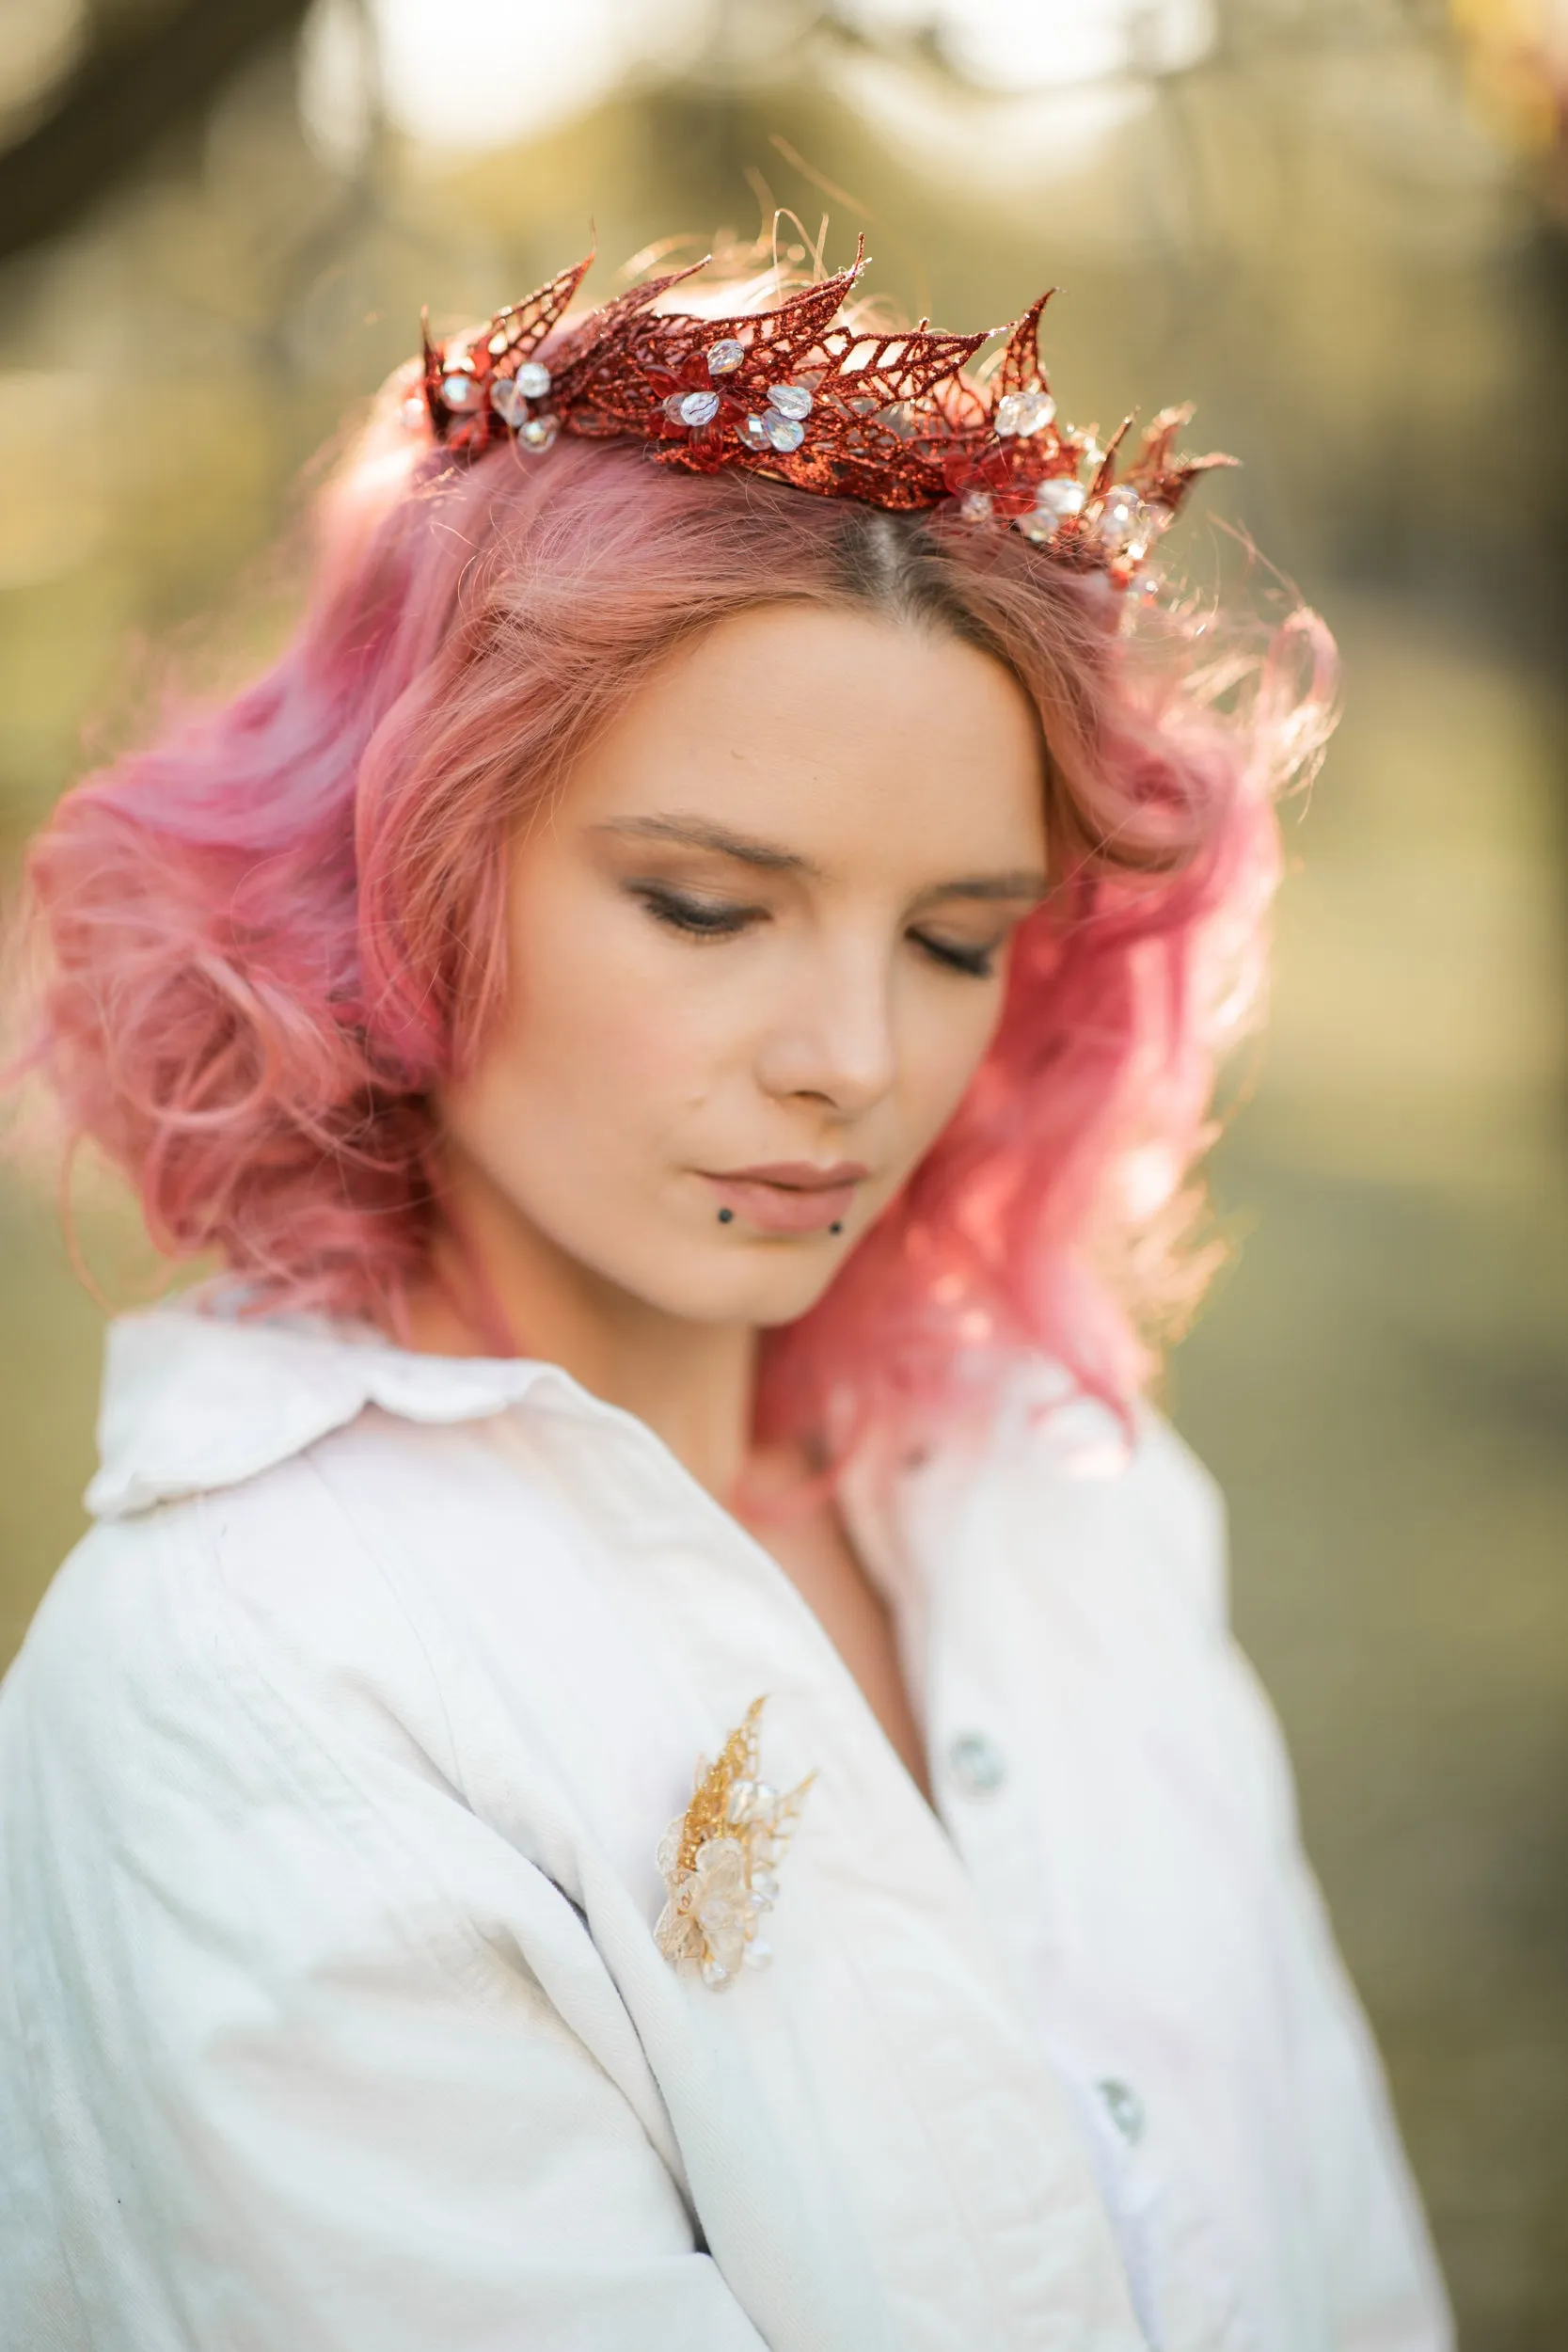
(196, 1398)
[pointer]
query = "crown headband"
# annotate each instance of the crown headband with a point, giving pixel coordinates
(895, 420)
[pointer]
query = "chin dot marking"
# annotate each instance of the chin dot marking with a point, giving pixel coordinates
(726, 1216)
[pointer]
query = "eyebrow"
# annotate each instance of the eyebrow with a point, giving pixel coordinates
(1028, 882)
(701, 833)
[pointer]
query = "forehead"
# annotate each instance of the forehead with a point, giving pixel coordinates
(838, 733)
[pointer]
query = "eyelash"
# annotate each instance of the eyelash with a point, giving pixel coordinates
(699, 921)
(693, 917)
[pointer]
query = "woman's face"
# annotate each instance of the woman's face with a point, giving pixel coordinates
(757, 948)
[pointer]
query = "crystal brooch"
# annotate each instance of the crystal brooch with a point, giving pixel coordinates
(719, 1860)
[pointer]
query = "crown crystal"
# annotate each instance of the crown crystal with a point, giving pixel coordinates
(1120, 517)
(781, 432)
(1022, 413)
(1056, 503)
(791, 400)
(691, 408)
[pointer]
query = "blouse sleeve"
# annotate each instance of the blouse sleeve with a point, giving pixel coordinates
(1383, 2284)
(271, 2073)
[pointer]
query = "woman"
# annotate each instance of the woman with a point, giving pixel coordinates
(684, 1004)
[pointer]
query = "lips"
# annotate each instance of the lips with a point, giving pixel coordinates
(790, 1196)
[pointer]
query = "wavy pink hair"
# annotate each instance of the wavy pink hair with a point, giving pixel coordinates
(267, 935)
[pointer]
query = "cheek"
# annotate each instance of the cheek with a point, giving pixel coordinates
(607, 1031)
(944, 1044)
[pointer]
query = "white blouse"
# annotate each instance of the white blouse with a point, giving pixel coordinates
(332, 1774)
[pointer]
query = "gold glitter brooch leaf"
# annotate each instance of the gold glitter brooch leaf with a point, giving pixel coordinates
(719, 1861)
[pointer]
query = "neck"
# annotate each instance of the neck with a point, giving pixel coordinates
(499, 1286)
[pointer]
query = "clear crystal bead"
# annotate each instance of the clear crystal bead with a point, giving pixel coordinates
(538, 433)
(976, 505)
(781, 432)
(1061, 495)
(739, 1804)
(505, 401)
(415, 413)
(1120, 521)
(715, 1973)
(1022, 413)
(790, 400)
(692, 408)
(533, 379)
(1055, 500)
(754, 432)
(459, 392)
(726, 355)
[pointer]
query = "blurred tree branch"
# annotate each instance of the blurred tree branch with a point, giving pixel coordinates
(135, 82)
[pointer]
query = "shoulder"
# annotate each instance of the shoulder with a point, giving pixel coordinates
(224, 1707)
(371, 1617)
(1119, 1489)
(291, 1501)
(250, 1632)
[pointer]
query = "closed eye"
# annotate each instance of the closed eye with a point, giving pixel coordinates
(723, 918)
(978, 962)
(699, 918)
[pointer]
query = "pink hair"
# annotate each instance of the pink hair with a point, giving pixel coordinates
(268, 934)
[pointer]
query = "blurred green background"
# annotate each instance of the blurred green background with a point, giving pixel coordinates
(1337, 224)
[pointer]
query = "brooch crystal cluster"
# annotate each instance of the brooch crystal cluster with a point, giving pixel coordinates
(719, 1861)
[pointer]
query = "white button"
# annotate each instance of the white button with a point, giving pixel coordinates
(1125, 2108)
(976, 1764)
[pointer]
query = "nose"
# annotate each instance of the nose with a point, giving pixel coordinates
(831, 1037)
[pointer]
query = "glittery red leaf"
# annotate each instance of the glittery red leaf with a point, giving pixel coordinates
(522, 328)
(595, 345)
(497, 349)
(1019, 369)
(1105, 473)
(887, 369)
(1156, 472)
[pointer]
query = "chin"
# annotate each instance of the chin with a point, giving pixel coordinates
(765, 1283)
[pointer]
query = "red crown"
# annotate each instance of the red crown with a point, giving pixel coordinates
(797, 394)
